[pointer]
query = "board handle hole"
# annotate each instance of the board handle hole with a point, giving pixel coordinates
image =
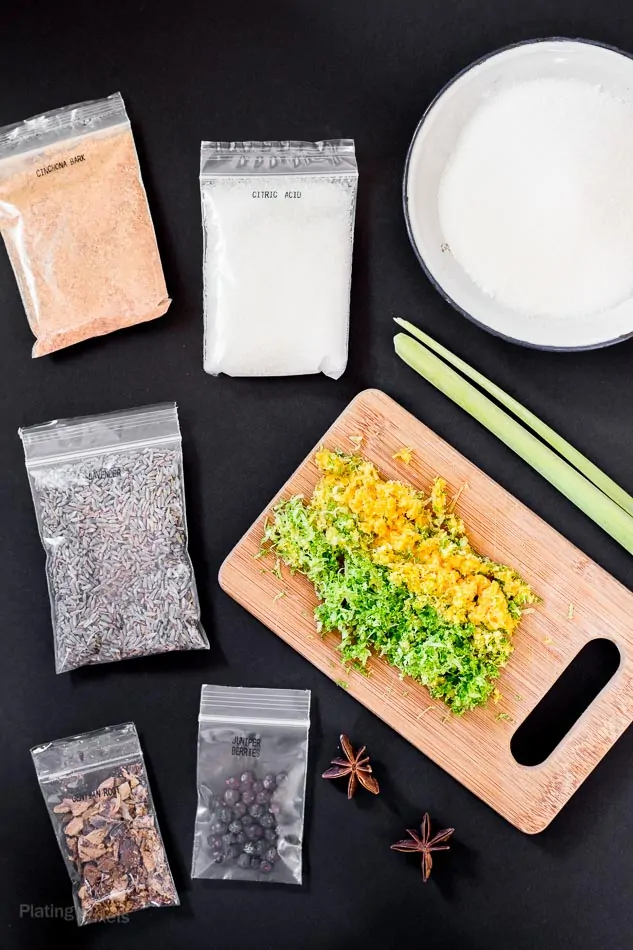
(564, 703)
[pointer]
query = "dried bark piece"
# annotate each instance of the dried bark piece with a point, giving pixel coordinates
(63, 807)
(74, 827)
(78, 808)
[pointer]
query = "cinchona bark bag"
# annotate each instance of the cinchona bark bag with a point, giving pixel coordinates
(76, 224)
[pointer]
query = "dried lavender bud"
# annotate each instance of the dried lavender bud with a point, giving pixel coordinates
(233, 782)
(114, 529)
(244, 861)
(231, 796)
(247, 778)
(256, 811)
(262, 798)
(239, 810)
(269, 782)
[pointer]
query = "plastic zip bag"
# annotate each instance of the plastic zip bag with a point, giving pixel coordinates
(109, 498)
(76, 223)
(278, 225)
(252, 762)
(98, 797)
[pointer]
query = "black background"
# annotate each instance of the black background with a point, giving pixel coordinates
(304, 69)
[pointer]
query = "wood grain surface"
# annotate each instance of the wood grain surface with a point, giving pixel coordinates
(475, 748)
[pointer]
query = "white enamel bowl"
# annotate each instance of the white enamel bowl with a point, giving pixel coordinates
(432, 145)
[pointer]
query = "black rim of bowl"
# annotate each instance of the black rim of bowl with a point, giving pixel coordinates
(405, 196)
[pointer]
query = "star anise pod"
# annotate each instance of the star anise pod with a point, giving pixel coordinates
(356, 765)
(425, 844)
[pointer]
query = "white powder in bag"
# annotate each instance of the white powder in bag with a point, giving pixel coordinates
(277, 264)
(536, 201)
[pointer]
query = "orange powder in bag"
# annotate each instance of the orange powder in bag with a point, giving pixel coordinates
(77, 227)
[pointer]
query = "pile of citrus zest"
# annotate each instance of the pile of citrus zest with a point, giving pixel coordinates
(398, 578)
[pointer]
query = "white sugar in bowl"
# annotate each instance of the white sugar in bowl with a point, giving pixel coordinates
(518, 194)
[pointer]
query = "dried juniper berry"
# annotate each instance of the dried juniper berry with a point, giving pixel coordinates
(254, 831)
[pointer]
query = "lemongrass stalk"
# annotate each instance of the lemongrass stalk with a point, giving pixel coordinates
(549, 435)
(574, 486)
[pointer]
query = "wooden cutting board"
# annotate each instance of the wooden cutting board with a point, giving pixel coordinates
(475, 749)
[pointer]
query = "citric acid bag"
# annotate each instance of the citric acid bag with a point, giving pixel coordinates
(278, 224)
